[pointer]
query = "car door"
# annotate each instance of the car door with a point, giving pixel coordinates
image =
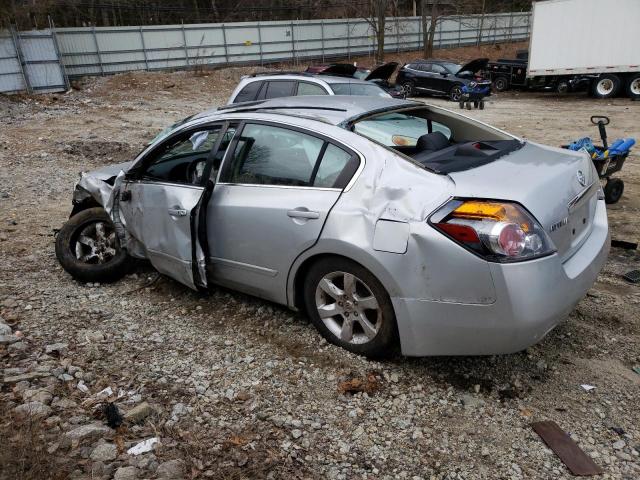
(440, 78)
(159, 200)
(427, 80)
(275, 190)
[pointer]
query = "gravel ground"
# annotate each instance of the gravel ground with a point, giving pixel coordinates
(235, 387)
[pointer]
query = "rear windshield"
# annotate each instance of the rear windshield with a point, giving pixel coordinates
(439, 140)
(360, 89)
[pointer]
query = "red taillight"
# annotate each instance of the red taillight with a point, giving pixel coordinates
(496, 230)
(461, 233)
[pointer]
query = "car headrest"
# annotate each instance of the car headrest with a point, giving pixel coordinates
(432, 141)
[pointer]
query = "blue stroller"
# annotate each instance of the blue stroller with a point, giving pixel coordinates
(607, 159)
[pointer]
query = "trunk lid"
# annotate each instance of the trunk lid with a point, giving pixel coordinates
(557, 186)
(383, 72)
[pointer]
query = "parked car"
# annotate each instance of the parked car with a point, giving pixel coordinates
(380, 75)
(441, 77)
(436, 244)
(264, 86)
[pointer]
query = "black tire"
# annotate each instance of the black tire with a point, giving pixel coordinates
(385, 341)
(606, 85)
(613, 190)
(476, 104)
(461, 104)
(481, 105)
(105, 268)
(408, 88)
(501, 84)
(455, 93)
(633, 86)
(468, 105)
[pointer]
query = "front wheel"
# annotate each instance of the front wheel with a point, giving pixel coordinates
(455, 94)
(87, 247)
(408, 89)
(350, 307)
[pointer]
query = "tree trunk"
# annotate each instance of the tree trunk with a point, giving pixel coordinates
(381, 25)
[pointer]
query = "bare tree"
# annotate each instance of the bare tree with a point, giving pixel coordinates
(429, 27)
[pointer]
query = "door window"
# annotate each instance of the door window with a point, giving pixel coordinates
(267, 155)
(425, 67)
(306, 88)
(248, 93)
(336, 168)
(438, 69)
(279, 89)
(182, 160)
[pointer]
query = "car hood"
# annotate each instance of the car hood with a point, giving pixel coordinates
(110, 171)
(383, 72)
(342, 69)
(474, 66)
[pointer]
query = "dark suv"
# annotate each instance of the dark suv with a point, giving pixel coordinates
(440, 77)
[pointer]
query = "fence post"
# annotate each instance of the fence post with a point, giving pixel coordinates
(322, 37)
(420, 36)
(144, 49)
(184, 42)
(260, 44)
(397, 35)
(459, 30)
(95, 40)
(57, 48)
(224, 40)
(293, 44)
(16, 46)
(348, 40)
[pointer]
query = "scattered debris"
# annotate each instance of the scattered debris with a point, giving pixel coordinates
(633, 276)
(636, 369)
(624, 244)
(578, 462)
(369, 385)
(112, 414)
(138, 413)
(105, 393)
(587, 388)
(82, 387)
(144, 446)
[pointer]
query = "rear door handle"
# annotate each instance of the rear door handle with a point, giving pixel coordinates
(177, 212)
(303, 213)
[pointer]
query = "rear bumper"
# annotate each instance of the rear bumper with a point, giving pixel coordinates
(531, 299)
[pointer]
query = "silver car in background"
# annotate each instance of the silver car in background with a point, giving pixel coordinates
(391, 223)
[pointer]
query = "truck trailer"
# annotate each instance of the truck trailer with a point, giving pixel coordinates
(590, 44)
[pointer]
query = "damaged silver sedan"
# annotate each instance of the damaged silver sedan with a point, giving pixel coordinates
(391, 223)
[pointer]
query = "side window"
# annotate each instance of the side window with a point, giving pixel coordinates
(277, 89)
(267, 155)
(425, 67)
(182, 160)
(438, 68)
(306, 88)
(248, 93)
(336, 168)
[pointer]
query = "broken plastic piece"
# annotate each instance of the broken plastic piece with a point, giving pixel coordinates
(107, 392)
(587, 388)
(144, 446)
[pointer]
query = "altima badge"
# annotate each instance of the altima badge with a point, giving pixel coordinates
(581, 178)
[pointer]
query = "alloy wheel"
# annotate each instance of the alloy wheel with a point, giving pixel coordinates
(348, 308)
(96, 243)
(456, 94)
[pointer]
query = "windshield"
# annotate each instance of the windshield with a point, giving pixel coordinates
(361, 74)
(361, 89)
(398, 129)
(452, 67)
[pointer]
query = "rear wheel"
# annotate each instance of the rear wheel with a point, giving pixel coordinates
(613, 190)
(455, 94)
(87, 247)
(501, 84)
(606, 86)
(633, 86)
(481, 104)
(350, 307)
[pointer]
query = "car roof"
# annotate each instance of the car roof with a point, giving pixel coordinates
(333, 109)
(435, 60)
(306, 76)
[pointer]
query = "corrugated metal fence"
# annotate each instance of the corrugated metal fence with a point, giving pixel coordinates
(106, 50)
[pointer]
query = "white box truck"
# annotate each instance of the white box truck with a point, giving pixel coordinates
(589, 44)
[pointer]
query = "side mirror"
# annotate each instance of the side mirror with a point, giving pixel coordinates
(444, 74)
